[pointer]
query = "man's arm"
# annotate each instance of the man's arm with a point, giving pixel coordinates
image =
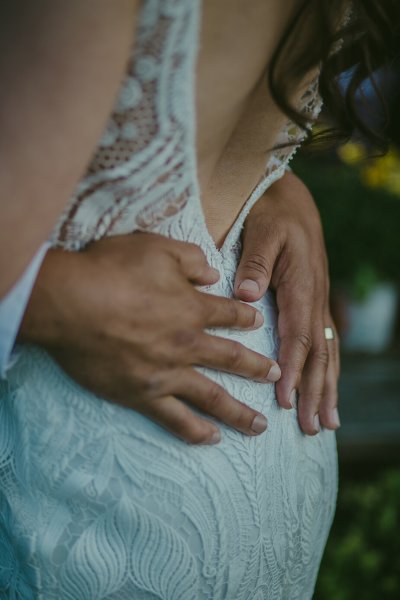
(61, 64)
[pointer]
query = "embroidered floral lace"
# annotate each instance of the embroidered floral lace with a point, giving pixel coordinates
(98, 502)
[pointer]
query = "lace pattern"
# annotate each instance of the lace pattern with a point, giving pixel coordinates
(96, 501)
(138, 175)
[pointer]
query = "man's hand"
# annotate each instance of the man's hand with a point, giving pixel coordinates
(124, 319)
(283, 247)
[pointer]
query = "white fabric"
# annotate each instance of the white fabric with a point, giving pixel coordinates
(98, 502)
(12, 308)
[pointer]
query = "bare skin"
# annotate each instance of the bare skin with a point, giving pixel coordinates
(237, 120)
(233, 135)
(59, 84)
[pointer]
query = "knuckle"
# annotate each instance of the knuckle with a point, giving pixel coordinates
(196, 254)
(192, 430)
(309, 402)
(139, 380)
(215, 396)
(317, 396)
(229, 308)
(304, 339)
(154, 385)
(258, 263)
(236, 353)
(185, 338)
(232, 310)
(321, 357)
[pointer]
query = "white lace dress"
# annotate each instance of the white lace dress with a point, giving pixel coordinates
(98, 502)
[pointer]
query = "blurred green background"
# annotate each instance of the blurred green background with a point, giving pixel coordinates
(359, 202)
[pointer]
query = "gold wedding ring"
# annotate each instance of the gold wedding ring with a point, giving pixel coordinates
(329, 333)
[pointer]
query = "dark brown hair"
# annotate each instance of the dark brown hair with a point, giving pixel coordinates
(356, 37)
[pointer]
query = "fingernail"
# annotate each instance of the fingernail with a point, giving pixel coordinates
(293, 398)
(274, 374)
(317, 424)
(259, 320)
(215, 438)
(335, 418)
(248, 285)
(259, 424)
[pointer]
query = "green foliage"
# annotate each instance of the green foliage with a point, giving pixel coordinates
(362, 558)
(361, 224)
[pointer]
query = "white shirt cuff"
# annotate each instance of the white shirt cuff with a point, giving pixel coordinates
(12, 309)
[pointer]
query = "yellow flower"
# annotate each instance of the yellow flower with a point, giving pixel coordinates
(384, 172)
(352, 153)
(372, 176)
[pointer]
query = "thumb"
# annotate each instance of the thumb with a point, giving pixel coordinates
(259, 254)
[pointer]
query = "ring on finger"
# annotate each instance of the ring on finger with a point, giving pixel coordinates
(329, 333)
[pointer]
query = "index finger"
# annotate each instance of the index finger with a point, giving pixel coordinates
(229, 313)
